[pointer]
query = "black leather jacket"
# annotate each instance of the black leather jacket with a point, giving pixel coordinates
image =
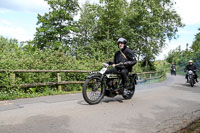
(173, 67)
(191, 67)
(128, 62)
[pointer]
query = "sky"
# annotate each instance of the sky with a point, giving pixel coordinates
(18, 20)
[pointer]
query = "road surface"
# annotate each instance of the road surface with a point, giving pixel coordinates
(155, 108)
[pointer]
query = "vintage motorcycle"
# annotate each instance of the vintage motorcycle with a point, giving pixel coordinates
(191, 79)
(98, 84)
(173, 71)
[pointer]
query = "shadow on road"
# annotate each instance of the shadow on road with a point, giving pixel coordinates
(105, 100)
(183, 84)
(116, 99)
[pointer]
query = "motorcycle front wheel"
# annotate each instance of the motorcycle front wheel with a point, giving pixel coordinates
(93, 90)
(192, 82)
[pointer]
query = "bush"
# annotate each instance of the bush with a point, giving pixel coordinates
(14, 56)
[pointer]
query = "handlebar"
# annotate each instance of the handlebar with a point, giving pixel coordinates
(190, 70)
(107, 65)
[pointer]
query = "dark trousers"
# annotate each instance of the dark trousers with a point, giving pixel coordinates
(123, 72)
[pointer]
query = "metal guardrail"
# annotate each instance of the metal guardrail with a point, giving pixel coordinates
(59, 82)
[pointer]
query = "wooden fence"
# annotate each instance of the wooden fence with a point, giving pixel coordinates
(141, 77)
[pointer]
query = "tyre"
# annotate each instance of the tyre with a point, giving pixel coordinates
(192, 82)
(93, 90)
(130, 92)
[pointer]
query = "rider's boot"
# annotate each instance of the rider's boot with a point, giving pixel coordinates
(197, 80)
(125, 90)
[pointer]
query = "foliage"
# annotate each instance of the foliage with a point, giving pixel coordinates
(13, 57)
(145, 24)
(99, 51)
(196, 44)
(56, 26)
(86, 25)
(147, 64)
(181, 57)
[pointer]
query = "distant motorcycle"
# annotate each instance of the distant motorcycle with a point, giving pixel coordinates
(173, 71)
(191, 80)
(98, 84)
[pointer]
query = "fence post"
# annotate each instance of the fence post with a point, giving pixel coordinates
(12, 78)
(150, 76)
(59, 80)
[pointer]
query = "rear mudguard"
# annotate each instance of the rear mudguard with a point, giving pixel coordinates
(134, 76)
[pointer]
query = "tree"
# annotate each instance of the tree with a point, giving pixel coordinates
(152, 21)
(87, 25)
(196, 44)
(56, 27)
(99, 23)
(175, 55)
(196, 49)
(111, 17)
(102, 21)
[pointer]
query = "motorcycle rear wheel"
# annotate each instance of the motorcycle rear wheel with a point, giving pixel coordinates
(131, 91)
(130, 94)
(93, 90)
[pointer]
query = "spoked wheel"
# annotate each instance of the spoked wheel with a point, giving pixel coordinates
(128, 93)
(93, 90)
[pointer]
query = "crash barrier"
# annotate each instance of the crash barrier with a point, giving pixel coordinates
(144, 76)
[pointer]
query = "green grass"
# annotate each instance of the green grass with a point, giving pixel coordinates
(192, 128)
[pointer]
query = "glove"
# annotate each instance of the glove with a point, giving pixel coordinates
(125, 63)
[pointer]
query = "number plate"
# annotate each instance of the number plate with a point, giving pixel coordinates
(103, 70)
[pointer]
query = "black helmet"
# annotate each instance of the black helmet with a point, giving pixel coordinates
(122, 40)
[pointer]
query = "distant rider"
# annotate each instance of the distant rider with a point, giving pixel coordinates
(193, 68)
(173, 68)
(124, 56)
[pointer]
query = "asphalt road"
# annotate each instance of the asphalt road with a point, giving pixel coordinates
(156, 108)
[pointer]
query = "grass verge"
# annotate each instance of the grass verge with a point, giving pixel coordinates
(192, 128)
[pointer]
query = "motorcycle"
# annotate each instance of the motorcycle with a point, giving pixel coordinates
(191, 78)
(99, 84)
(173, 71)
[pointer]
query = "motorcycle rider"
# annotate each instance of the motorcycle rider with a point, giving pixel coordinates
(193, 68)
(125, 56)
(173, 68)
